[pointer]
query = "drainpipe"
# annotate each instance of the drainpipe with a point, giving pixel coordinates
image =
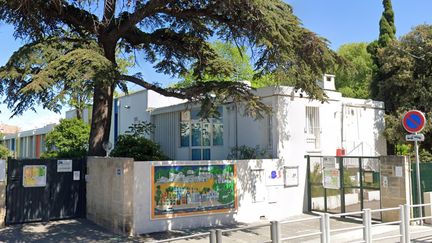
(342, 126)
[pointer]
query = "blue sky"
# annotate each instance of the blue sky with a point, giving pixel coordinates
(339, 21)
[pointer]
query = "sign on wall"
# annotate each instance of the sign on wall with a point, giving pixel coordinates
(291, 176)
(2, 170)
(193, 189)
(331, 178)
(64, 165)
(275, 177)
(34, 175)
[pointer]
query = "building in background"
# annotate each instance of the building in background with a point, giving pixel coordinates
(8, 129)
(28, 144)
(129, 109)
(296, 127)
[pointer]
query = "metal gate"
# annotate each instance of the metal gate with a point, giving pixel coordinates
(343, 184)
(44, 189)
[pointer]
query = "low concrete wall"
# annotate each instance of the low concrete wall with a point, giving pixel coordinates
(258, 198)
(119, 195)
(110, 193)
(334, 202)
(2, 202)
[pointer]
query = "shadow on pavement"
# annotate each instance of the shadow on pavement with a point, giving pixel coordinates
(79, 230)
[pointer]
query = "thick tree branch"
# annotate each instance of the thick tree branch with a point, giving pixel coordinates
(144, 84)
(129, 20)
(109, 10)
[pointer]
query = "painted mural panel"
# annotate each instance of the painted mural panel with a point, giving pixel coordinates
(193, 189)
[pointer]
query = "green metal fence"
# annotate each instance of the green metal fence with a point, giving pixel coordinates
(359, 178)
(425, 181)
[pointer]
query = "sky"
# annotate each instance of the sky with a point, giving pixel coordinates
(339, 21)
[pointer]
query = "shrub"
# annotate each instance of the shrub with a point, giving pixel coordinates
(69, 139)
(245, 152)
(137, 147)
(4, 152)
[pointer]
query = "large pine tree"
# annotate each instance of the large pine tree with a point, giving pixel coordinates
(171, 35)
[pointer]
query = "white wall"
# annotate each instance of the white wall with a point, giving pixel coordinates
(277, 201)
(132, 109)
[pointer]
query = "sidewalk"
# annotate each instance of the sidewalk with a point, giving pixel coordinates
(82, 230)
(76, 230)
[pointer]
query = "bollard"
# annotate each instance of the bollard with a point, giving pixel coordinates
(327, 227)
(212, 236)
(219, 236)
(323, 228)
(367, 225)
(275, 232)
(407, 220)
(401, 225)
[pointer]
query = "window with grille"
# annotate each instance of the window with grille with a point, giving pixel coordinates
(312, 129)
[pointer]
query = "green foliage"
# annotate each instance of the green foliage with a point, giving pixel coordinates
(137, 147)
(353, 76)
(52, 72)
(233, 59)
(387, 35)
(245, 152)
(387, 25)
(4, 152)
(69, 139)
(171, 35)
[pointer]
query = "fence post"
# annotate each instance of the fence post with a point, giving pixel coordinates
(219, 236)
(367, 224)
(407, 220)
(275, 232)
(212, 236)
(327, 227)
(402, 223)
(323, 228)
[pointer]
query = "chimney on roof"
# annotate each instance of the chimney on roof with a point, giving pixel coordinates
(327, 82)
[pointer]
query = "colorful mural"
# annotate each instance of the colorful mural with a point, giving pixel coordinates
(192, 189)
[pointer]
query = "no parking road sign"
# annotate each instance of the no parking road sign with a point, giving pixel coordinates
(414, 121)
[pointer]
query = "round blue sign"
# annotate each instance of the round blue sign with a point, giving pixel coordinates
(414, 121)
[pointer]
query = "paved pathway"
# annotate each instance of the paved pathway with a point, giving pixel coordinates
(84, 231)
(59, 231)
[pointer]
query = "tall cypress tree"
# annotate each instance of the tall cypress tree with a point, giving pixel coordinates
(387, 34)
(387, 25)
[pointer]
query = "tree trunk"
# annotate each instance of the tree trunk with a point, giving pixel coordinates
(101, 119)
(102, 104)
(79, 113)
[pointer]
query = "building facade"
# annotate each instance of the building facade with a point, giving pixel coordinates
(297, 126)
(28, 144)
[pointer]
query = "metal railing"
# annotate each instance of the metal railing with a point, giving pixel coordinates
(325, 230)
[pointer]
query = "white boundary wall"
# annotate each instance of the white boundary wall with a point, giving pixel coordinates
(257, 196)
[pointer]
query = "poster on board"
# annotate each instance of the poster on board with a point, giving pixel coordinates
(193, 189)
(331, 178)
(34, 175)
